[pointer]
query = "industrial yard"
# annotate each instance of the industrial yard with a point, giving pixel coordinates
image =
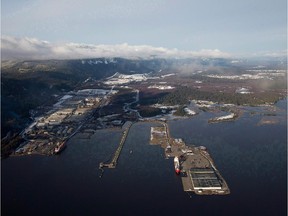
(48, 133)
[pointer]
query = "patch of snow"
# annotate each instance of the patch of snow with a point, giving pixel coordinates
(167, 75)
(61, 100)
(161, 87)
(242, 90)
(118, 79)
(203, 103)
(189, 111)
(87, 80)
(230, 116)
(65, 97)
(161, 106)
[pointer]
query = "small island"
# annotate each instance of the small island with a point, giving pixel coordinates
(228, 117)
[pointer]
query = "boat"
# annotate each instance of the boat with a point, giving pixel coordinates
(59, 147)
(177, 165)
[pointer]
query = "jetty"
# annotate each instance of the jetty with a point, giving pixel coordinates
(114, 159)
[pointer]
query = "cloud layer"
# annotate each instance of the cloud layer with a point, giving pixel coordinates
(234, 26)
(31, 48)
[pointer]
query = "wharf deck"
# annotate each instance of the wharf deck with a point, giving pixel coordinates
(198, 172)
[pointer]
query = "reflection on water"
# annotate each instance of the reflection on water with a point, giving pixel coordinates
(251, 158)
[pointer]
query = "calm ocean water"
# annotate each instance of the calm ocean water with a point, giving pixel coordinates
(251, 157)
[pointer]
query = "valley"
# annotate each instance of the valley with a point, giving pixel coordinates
(86, 95)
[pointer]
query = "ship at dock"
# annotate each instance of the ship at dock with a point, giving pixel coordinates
(177, 165)
(59, 147)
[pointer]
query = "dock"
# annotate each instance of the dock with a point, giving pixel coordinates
(198, 171)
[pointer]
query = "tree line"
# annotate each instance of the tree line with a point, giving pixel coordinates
(182, 96)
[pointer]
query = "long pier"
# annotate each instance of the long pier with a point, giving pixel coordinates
(117, 153)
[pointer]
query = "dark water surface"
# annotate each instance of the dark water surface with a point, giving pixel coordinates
(251, 157)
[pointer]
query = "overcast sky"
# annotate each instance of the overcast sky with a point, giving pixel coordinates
(233, 26)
